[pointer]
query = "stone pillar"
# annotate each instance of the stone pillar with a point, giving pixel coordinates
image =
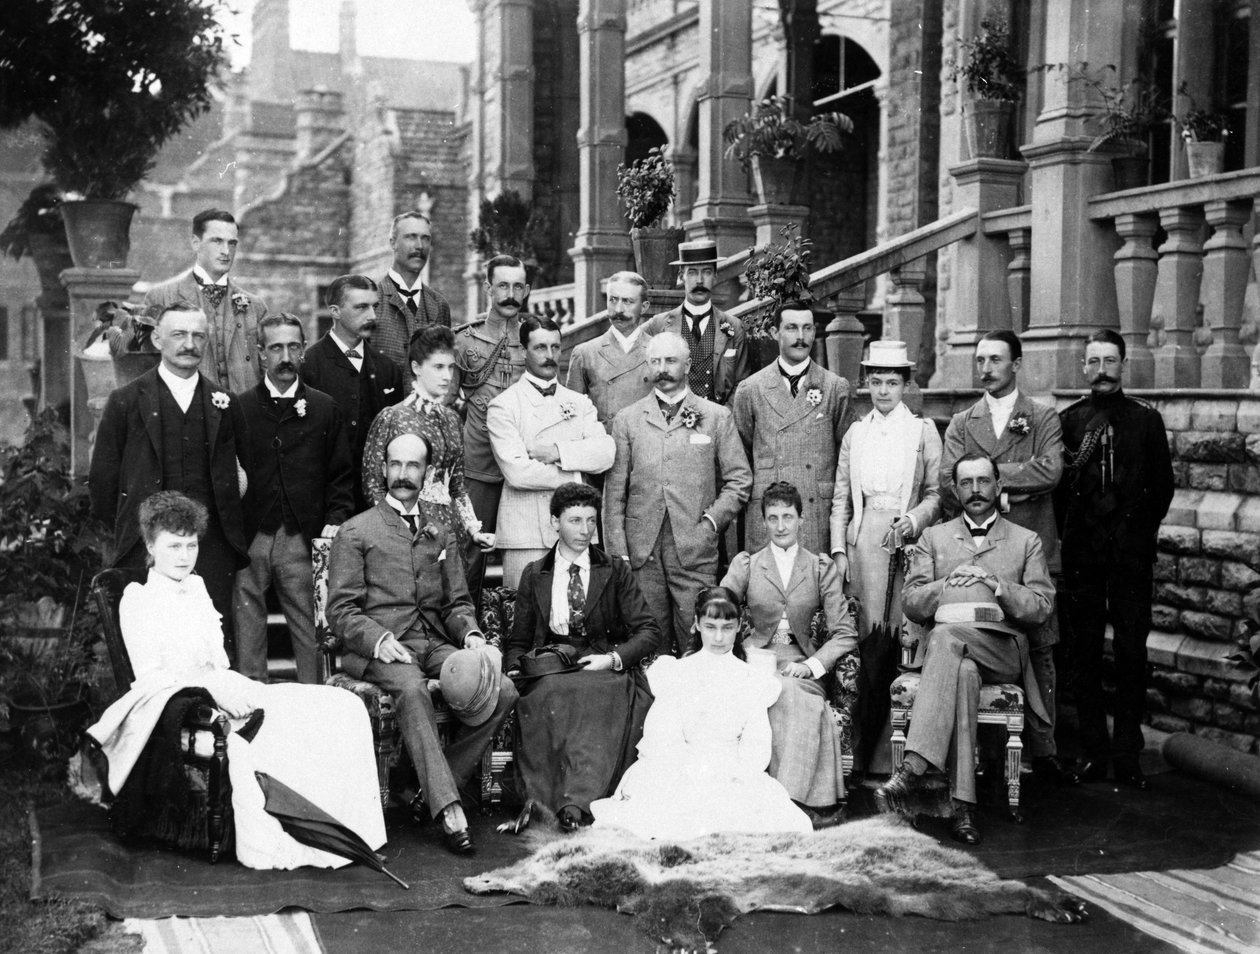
(477, 154)
(55, 362)
(1225, 267)
(1176, 311)
(726, 89)
(904, 310)
(508, 91)
(603, 243)
(1135, 273)
(770, 220)
(88, 287)
(977, 298)
(683, 161)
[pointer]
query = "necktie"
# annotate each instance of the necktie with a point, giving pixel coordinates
(548, 391)
(354, 354)
(577, 602)
(695, 326)
(668, 409)
(411, 301)
(212, 293)
(412, 521)
(793, 380)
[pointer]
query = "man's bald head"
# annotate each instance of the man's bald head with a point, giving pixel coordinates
(406, 458)
(670, 359)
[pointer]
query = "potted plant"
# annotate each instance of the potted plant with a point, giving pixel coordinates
(993, 80)
(778, 272)
(123, 335)
(106, 90)
(1127, 115)
(508, 225)
(1204, 133)
(771, 141)
(37, 230)
(646, 190)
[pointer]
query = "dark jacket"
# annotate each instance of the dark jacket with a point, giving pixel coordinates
(304, 457)
(617, 615)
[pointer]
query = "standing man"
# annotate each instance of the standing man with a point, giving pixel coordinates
(230, 360)
(406, 302)
(715, 340)
(172, 429)
(489, 357)
(1025, 439)
(344, 365)
(791, 417)
(678, 479)
(1117, 489)
(612, 369)
(542, 435)
(300, 487)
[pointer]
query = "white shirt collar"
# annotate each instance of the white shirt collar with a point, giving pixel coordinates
(793, 368)
(626, 341)
(788, 554)
(701, 311)
(178, 385)
(402, 285)
(537, 381)
(896, 414)
(398, 507)
(206, 279)
(277, 393)
(563, 563)
(1005, 403)
(972, 525)
(678, 399)
(357, 346)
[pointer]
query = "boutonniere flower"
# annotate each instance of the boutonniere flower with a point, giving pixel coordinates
(1020, 424)
(814, 397)
(240, 303)
(431, 533)
(726, 329)
(300, 406)
(219, 400)
(689, 417)
(568, 411)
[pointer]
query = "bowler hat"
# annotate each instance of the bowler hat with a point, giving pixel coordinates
(470, 683)
(886, 353)
(700, 252)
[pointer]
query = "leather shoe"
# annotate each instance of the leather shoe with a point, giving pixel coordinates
(963, 825)
(1092, 770)
(1129, 774)
(892, 795)
(827, 818)
(571, 819)
(1048, 768)
(458, 842)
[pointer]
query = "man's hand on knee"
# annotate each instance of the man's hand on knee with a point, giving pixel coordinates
(391, 650)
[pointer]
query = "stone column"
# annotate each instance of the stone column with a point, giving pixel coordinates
(769, 220)
(603, 242)
(508, 91)
(726, 89)
(1135, 273)
(1225, 266)
(1176, 311)
(683, 161)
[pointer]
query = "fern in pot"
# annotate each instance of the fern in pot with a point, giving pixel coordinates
(646, 189)
(993, 81)
(772, 142)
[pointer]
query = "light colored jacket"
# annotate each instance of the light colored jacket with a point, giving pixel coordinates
(612, 378)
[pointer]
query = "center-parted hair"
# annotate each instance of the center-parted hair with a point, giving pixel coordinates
(336, 294)
(430, 339)
(781, 492)
(573, 494)
(533, 323)
(171, 511)
(278, 319)
(975, 455)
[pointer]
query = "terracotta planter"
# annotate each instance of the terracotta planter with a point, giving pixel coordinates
(99, 231)
(654, 249)
(775, 179)
(1130, 172)
(987, 126)
(1205, 158)
(51, 254)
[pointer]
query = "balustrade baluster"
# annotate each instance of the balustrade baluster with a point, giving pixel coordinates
(844, 333)
(1019, 277)
(1225, 269)
(904, 311)
(1177, 297)
(1136, 271)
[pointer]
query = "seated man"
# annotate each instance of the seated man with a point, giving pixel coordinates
(398, 601)
(983, 582)
(579, 730)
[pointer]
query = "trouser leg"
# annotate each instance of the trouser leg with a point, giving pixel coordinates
(962, 750)
(651, 579)
(1130, 615)
(932, 718)
(1038, 733)
(485, 501)
(684, 581)
(1085, 599)
(250, 608)
(216, 565)
(469, 742)
(293, 578)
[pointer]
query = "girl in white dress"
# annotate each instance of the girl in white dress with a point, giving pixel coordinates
(706, 742)
(315, 739)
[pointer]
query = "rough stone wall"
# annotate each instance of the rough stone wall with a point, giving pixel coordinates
(556, 117)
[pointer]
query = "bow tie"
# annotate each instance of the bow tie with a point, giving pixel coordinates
(547, 391)
(213, 293)
(980, 532)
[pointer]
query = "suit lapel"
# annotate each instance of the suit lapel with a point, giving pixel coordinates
(147, 399)
(393, 519)
(212, 413)
(1023, 405)
(719, 336)
(600, 572)
(542, 583)
(980, 425)
(799, 567)
(770, 570)
(775, 391)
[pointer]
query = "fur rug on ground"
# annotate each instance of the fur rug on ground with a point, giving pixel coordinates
(685, 893)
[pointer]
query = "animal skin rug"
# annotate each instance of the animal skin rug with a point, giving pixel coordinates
(685, 893)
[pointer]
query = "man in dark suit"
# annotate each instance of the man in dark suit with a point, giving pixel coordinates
(577, 595)
(406, 302)
(172, 429)
(299, 469)
(398, 602)
(344, 365)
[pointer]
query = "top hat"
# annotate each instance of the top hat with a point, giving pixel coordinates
(470, 683)
(701, 252)
(886, 353)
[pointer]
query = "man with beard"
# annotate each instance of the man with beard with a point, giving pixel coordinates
(406, 302)
(1117, 489)
(300, 475)
(677, 481)
(344, 365)
(980, 582)
(715, 340)
(542, 435)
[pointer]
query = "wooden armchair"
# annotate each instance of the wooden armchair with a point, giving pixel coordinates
(203, 741)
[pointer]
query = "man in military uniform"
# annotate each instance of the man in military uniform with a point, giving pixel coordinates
(489, 358)
(1116, 488)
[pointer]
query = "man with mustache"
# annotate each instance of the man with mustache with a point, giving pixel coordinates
(300, 486)
(612, 369)
(677, 481)
(542, 435)
(980, 582)
(344, 365)
(715, 340)
(173, 429)
(1025, 439)
(1117, 489)
(406, 302)
(232, 313)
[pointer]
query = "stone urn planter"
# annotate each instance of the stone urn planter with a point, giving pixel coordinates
(51, 254)
(775, 179)
(99, 232)
(1205, 158)
(654, 249)
(987, 127)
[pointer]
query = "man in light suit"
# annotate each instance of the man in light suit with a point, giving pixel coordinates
(398, 602)
(715, 340)
(1026, 439)
(678, 479)
(230, 361)
(406, 301)
(543, 435)
(791, 417)
(979, 643)
(612, 369)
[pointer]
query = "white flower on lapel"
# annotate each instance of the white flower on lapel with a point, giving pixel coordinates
(219, 400)
(689, 417)
(240, 303)
(1019, 424)
(568, 411)
(726, 329)
(300, 406)
(814, 397)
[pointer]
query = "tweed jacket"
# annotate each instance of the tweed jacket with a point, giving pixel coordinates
(521, 415)
(668, 468)
(793, 439)
(236, 317)
(327, 369)
(920, 493)
(612, 378)
(730, 350)
(617, 615)
(814, 583)
(1030, 464)
(477, 385)
(382, 580)
(306, 456)
(395, 326)
(126, 462)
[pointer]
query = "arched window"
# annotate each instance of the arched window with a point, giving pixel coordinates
(841, 68)
(642, 133)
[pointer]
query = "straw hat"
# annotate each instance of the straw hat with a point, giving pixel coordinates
(470, 683)
(700, 252)
(885, 353)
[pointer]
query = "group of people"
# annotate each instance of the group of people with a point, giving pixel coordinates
(615, 502)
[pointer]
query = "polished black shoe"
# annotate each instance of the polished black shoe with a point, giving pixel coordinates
(458, 842)
(963, 825)
(892, 795)
(1091, 770)
(1130, 775)
(571, 819)
(1048, 768)
(825, 818)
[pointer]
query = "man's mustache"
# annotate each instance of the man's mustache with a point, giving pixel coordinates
(700, 288)
(402, 483)
(509, 301)
(977, 498)
(191, 352)
(663, 376)
(286, 366)
(1105, 379)
(798, 344)
(548, 364)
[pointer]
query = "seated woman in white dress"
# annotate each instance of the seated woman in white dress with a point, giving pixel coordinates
(315, 739)
(706, 742)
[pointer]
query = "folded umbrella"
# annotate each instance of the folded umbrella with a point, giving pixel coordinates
(315, 828)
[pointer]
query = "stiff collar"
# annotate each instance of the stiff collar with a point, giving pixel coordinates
(626, 341)
(205, 278)
(1004, 403)
(397, 507)
(275, 392)
(402, 286)
(986, 526)
(703, 311)
(678, 399)
(793, 369)
(539, 382)
(184, 387)
(357, 346)
(582, 562)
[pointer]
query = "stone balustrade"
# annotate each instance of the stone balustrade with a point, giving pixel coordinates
(557, 302)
